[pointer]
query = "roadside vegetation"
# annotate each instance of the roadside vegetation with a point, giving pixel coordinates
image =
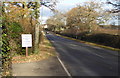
(13, 25)
(86, 22)
(46, 50)
(17, 18)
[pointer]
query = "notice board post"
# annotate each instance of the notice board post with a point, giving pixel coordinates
(26, 41)
(26, 51)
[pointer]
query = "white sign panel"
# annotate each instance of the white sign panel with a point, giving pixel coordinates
(26, 40)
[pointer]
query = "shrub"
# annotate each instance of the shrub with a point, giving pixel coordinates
(104, 39)
(100, 38)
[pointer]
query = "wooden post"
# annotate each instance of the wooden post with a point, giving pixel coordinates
(26, 51)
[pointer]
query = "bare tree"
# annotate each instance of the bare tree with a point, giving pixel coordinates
(84, 16)
(115, 4)
(56, 22)
(114, 11)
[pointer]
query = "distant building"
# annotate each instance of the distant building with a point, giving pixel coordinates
(45, 26)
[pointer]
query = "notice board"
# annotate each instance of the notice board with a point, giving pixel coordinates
(26, 40)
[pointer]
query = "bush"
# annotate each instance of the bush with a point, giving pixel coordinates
(101, 38)
(104, 39)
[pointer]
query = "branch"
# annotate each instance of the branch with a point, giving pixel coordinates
(112, 4)
(114, 11)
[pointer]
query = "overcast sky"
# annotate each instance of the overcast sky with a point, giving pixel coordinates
(64, 6)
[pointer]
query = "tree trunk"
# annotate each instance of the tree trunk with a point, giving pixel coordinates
(37, 32)
(36, 45)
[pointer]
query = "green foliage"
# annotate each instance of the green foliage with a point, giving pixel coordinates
(5, 46)
(6, 57)
(10, 31)
(15, 29)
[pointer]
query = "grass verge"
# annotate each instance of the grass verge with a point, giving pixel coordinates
(46, 50)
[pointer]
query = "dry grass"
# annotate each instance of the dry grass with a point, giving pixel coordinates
(46, 51)
(98, 30)
(108, 31)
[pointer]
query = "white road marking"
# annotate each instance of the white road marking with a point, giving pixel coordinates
(73, 45)
(99, 55)
(52, 41)
(64, 68)
(97, 47)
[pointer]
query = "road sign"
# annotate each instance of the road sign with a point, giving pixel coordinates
(26, 40)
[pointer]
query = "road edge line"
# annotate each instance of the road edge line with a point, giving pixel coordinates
(64, 67)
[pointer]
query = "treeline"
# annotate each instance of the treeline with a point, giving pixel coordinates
(83, 22)
(86, 17)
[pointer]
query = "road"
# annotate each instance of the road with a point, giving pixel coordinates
(85, 60)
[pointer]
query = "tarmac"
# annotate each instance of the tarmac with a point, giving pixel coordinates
(47, 67)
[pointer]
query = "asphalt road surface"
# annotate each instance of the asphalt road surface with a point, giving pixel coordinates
(85, 60)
